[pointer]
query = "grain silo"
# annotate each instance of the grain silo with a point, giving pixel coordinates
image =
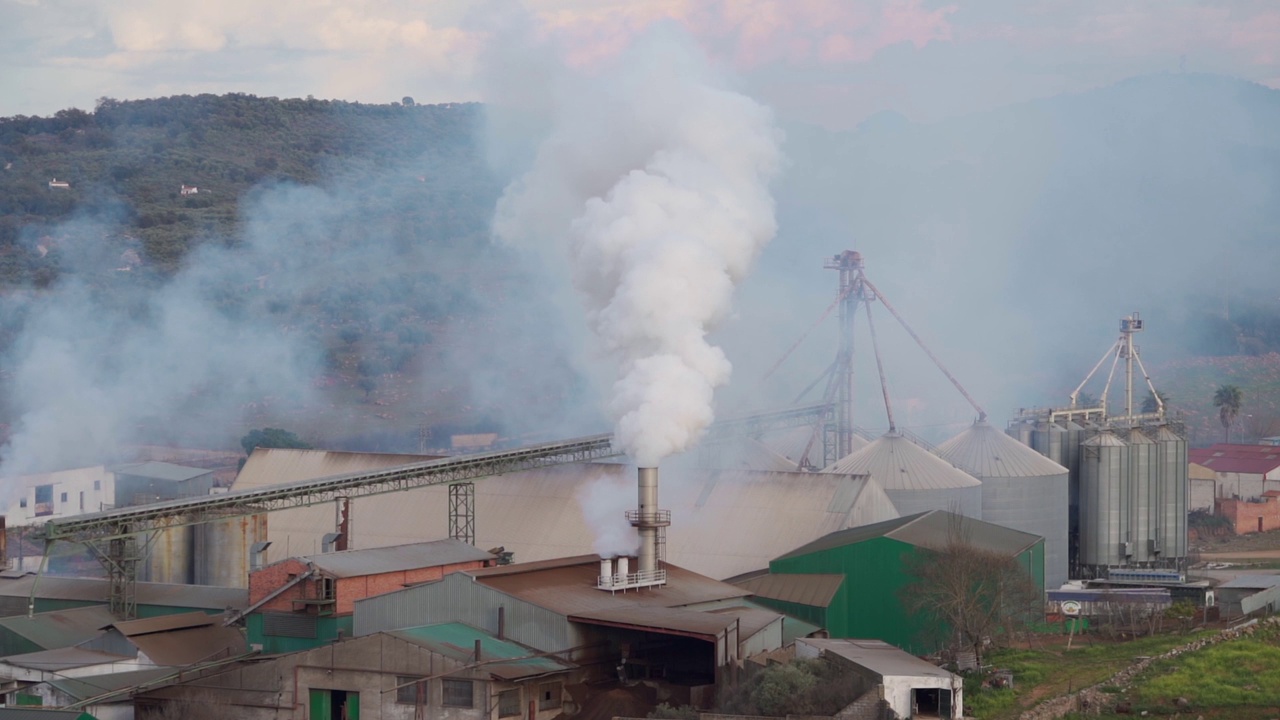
(1144, 483)
(1171, 534)
(915, 479)
(1021, 489)
(1104, 500)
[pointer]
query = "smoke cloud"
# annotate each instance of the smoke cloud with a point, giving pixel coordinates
(603, 501)
(657, 175)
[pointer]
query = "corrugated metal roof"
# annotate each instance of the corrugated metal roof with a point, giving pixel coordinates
(160, 471)
(61, 628)
(1105, 438)
(1252, 582)
(985, 452)
(899, 464)
(1234, 458)
(879, 657)
(64, 658)
(539, 514)
(188, 646)
(97, 590)
(458, 641)
(353, 563)
(660, 618)
(95, 685)
(163, 623)
(751, 618)
(34, 713)
(812, 590)
(569, 589)
(933, 529)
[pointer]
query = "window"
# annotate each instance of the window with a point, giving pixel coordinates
(22, 502)
(549, 696)
(408, 694)
(328, 589)
(457, 693)
(82, 501)
(64, 497)
(97, 484)
(509, 703)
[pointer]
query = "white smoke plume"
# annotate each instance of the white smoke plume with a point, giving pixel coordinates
(603, 501)
(656, 176)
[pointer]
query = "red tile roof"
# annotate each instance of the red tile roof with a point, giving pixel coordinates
(1233, 458)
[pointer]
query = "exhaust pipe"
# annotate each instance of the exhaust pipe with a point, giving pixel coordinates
(647, 515)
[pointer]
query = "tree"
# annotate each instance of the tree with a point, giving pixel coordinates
(1149, 405)
(271, 438)
(969, 594)
(407, 101)
(1227, 398)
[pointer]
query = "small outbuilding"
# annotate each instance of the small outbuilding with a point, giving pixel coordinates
(913, 688)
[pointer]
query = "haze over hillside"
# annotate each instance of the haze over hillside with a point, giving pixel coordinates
(335, 275)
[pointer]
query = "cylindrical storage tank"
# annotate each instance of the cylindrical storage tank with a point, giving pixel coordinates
(1144, 485)
(1021, 489)
(169, 557)
(1104, 466)
(1021, 431)
(223, 548)
(1047, 439)
(1174, 490)
(915, 479)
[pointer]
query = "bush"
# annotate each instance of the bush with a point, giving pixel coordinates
(804, 687)
(671, 712)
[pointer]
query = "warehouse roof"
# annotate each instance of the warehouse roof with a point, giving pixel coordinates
(897, 463)
(679, 620)
(64, 658)
(503, 659)
(61, 628)
(568, 586)
(811, 590)
(94, 685)
(96, 590)
(38, 713)
(160, 471)
(538, 514)
(186, 639)
(1252, 582)
(372, 561)
(877, 656)
(933, 529)
(1235, 458)
(985, 452)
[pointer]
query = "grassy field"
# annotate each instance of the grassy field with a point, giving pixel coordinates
(1049, 669)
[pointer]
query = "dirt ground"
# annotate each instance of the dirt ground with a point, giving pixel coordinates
(1239, 545)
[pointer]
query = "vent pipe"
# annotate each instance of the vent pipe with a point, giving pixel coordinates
(606, 572)
(647, 513)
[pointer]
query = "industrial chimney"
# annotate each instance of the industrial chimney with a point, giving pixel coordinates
(650, 523)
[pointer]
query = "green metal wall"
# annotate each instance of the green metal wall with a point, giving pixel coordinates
(327, 629)
(869, 602)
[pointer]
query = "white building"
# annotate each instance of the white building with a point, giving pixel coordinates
(43, 496)
(912, 687)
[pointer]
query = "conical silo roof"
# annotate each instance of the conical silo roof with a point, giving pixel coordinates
(1106, 438)
(791, 444)
(899, 464)
(985, 452)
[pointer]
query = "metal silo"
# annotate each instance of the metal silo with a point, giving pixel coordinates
(168, 557)
(1021, 489)
(915, 479)
(1172, 530)
(1104, 524)
(1144, 485)
(223, 547)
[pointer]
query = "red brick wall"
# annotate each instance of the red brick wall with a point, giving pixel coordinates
(357, 588)
(1244, 515)
(272, 577)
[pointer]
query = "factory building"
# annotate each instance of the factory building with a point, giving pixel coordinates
(685, 634)
(1237, 472)
(90, 489)
(1021, 489)
(303, 602)
(48, 594)
(850, 582)
(915, 479)
(548, 513)
(912, 688)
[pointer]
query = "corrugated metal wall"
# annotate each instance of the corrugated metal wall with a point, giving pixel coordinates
(458, 598)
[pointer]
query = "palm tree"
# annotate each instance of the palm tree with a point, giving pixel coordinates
(1149, 405)
(1227, 399)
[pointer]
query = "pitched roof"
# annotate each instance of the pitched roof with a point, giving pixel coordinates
(932, 529)
(878, 656)
(1252, 581)
(60, 628)
(160, 471)
(897, 463)
(64, 658)
(184, 639)
(96, 590)
(567, 587)
(37, 713)
(812, 590)
(503, 659)
(708, 624)
(95, 685)
(985, 452)
(372, 561)
(163, 623)
(1234, 458)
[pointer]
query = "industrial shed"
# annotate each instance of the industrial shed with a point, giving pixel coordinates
(1248, 594)
(913, 688)
(539, 515)
(850, 582)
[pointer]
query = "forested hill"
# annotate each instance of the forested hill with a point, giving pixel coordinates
(127, 161)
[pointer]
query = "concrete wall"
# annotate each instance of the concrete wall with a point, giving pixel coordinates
(897, 692)
(1202, 494)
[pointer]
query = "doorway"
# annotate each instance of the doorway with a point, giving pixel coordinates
(931, 703)
(334, 705)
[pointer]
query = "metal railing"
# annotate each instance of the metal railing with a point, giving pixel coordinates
(632, 580)
(653, 518)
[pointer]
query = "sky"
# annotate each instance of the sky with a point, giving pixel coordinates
(826, 62)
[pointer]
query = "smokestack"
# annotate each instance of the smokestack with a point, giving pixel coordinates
(606, 572)
(624, 569)
(647, 511)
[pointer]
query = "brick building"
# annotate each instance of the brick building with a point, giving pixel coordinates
(301, 602)
(1251, 516)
